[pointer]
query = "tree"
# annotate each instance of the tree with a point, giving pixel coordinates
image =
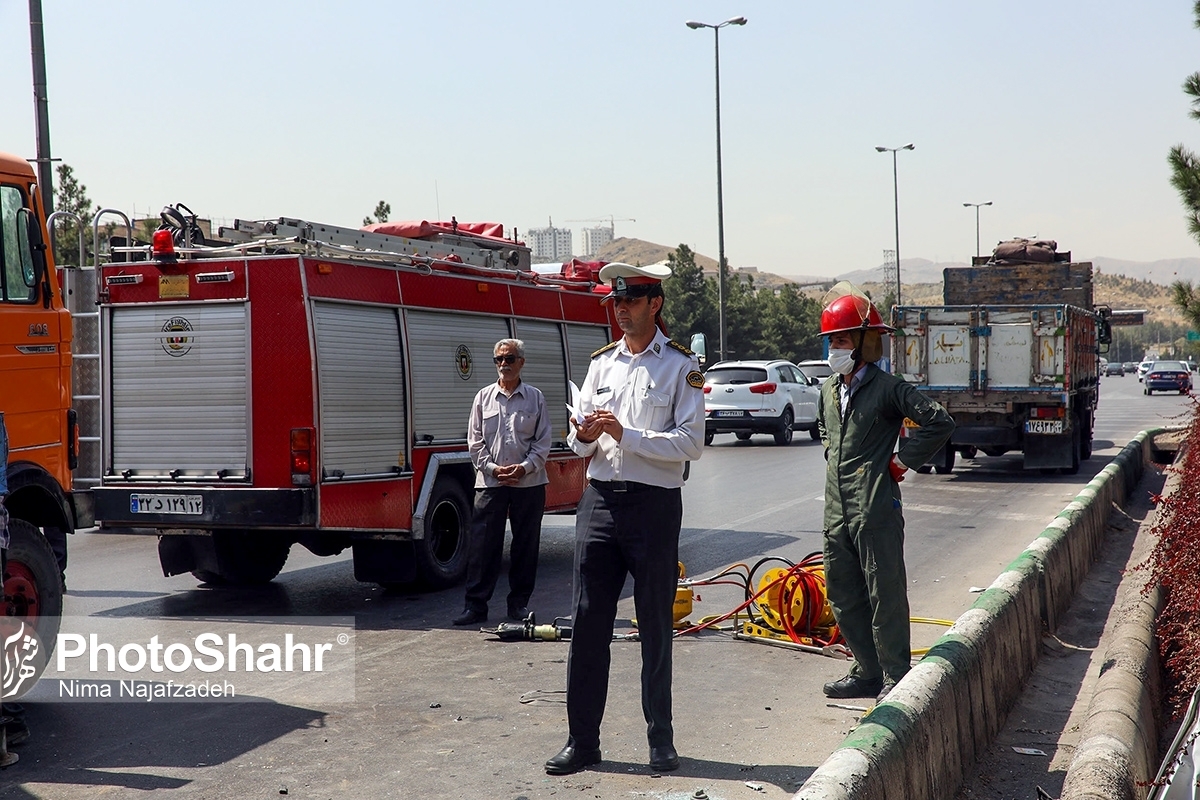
(691, 305)
(1187, 299)
(382, 210)
(71, 196)
(789, 325)
(1185, 177)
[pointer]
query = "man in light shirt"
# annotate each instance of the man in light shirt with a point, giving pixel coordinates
(643, 406)
(508, 435)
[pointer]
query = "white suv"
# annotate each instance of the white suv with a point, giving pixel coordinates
(749, 397)
(1143, 368)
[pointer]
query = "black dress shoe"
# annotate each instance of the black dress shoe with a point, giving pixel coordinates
(518, 613)
(470, 616)
(664, 758)
(572, 759)
(853, 686)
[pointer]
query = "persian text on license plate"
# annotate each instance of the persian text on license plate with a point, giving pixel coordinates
(166, 504)
(1044, 426)
(728, 414)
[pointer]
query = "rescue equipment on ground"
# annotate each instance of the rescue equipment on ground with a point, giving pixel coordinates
(788, 606)
(529, 631)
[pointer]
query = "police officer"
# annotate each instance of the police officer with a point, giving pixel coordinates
(643, 408)
(859, 417)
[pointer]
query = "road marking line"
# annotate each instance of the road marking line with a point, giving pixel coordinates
(958, 512)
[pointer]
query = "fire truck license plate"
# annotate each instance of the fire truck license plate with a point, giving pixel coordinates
(1043, 426)
(166, 504)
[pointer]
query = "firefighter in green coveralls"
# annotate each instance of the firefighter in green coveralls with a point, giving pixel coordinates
(859, 417)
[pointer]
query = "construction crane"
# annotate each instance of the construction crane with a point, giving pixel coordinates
(610, 219)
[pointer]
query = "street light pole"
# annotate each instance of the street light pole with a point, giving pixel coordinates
(896, 197)
(976, 207)
(720, 197)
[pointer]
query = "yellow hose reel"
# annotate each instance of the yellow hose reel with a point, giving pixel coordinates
(791, 598)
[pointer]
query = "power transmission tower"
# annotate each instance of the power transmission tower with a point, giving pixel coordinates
(889, 270)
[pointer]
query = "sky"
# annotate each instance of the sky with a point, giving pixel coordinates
(1059, 112)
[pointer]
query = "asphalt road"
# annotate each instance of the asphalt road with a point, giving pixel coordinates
(446, 712)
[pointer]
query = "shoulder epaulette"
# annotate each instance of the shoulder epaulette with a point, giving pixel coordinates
(677, 346)
(606, 348)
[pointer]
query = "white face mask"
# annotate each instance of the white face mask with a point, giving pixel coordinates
(842, 361)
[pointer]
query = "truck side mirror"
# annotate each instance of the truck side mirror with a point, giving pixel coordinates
(31, 246)
(1104, 337)
(699, 346)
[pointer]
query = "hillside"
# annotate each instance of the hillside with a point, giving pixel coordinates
(640, 253)
(1117, 291)
(1118, 283)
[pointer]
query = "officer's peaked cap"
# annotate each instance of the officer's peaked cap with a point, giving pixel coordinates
(630, 281)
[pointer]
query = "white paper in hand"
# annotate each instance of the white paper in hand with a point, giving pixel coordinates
(575, 404)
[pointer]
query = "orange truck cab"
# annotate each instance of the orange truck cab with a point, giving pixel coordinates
(35, 400)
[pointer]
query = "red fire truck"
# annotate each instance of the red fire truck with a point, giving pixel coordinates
(287, 383)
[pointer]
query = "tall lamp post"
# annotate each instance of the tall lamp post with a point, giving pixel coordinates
(976, 207)
(896, 196)
(716, 29)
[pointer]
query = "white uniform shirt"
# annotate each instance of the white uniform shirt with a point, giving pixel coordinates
(661, 412)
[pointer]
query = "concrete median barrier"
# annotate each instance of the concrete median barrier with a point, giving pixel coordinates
(923, 740)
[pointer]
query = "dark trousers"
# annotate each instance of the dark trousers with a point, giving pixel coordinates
(634, 532)
(493, 507)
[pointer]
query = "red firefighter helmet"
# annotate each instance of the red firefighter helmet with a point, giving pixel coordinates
(850, 311)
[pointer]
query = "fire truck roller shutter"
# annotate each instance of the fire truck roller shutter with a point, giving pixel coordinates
(546, 368)
(360, 378)
(582, 341)
(179, 397)
(450, 359)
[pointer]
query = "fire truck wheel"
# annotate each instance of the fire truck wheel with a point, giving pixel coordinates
(943, 463)
(245, 559)
(442, 553)
(32, 582)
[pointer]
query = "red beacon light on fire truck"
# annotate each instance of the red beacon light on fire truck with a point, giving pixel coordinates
(163, 247)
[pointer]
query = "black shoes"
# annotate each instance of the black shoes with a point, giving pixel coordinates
(518, 613)
(664, 758)
(853, 686)
(470, 616)
(572, 759)
(888, 685)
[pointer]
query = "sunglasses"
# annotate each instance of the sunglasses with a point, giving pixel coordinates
(505, 359)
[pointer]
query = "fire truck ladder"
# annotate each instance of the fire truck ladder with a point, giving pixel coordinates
(79, 296)
(351, 241)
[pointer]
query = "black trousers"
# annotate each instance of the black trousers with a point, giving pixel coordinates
(635, 532)
(493, 507)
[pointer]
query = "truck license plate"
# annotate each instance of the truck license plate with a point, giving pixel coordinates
(1044, 426)
(727, 413)
(166, 503)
